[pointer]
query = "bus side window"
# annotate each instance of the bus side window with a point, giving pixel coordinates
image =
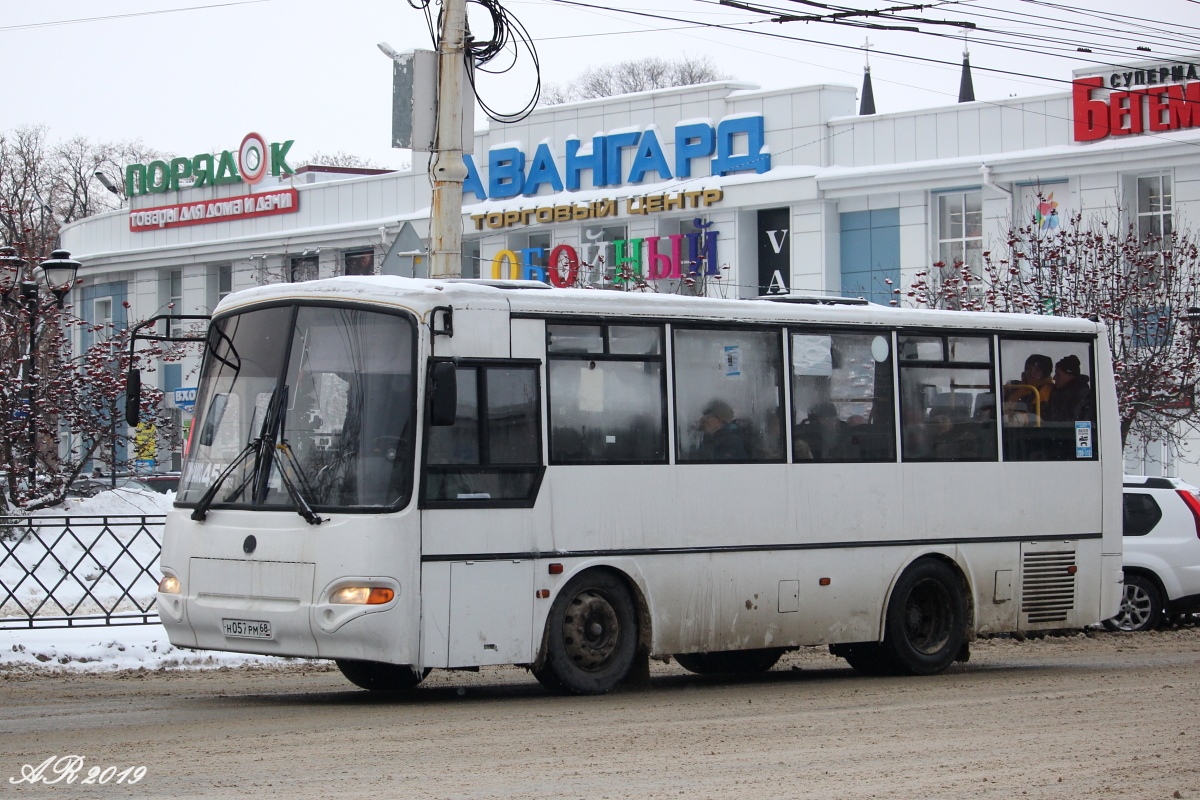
(1048, 408)
(729, 395)
(842, 406)
(947, 400)
(606, 394)
(492, 454)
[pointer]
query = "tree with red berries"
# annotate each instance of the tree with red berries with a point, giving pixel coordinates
(1146, 289)
(61, 407)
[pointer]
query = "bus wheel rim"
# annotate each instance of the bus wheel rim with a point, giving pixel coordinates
(927, 617)
(591, 630)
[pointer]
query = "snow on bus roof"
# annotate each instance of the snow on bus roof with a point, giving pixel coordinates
(535, 297)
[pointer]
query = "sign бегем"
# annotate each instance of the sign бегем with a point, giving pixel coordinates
(254, 159)
(1147, 98)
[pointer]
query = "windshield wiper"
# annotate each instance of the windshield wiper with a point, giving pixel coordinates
(299, 494)
(263, 449)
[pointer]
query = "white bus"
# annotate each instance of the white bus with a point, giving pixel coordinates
(403, 475)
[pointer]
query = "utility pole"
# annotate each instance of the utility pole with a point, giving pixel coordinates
(448, 169)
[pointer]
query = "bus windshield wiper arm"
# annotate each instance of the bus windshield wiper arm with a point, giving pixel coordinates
(296, 493)
(259, 447)
(200, 512)
(263, 449)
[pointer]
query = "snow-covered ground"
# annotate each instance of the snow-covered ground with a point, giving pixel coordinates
(104, 647)
(110, 648)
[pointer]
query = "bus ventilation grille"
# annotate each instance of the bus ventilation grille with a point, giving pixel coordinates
(1047, 587)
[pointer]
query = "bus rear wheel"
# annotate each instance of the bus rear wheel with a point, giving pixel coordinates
(926, 619)
(591, 635)
(730, 662)
(375, 676)
(867, 658)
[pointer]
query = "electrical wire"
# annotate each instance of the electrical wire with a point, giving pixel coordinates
(76, 20)
(509, 38)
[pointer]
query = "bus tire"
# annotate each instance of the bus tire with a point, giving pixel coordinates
(730, 662)
(375, 676)
(926, 619)
(867, 658)
(591, 635)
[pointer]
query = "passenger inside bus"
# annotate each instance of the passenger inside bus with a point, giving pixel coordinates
(724, 437)
(1071, 399)
(1026, 399)
(822, 431)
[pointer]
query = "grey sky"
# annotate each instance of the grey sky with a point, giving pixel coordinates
(198, 80)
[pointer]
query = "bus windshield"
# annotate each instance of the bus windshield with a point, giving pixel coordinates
(321, 397)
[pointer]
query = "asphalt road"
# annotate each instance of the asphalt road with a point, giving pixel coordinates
(1100, 716)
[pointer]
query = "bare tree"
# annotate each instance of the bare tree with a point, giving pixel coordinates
(633, 76)
(45, 184)
(1145, 290)
(342, 159)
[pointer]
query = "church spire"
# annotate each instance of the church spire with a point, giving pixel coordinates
(867, 104)
(966, 89)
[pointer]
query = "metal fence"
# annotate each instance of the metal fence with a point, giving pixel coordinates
(77, 571)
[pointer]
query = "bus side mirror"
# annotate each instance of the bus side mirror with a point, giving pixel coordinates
(443, 394)
(133, 397)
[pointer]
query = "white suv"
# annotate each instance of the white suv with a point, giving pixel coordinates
(1162, 552)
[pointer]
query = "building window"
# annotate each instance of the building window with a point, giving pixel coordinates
(175, 299)
(358, 262)
(597, 255)
(219, 284)
(870, 254)
(304, 268)
(470, 259)
(102, 316)
(960, 230)
(1154, 204)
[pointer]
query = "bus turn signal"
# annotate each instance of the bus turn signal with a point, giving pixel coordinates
(363, 595)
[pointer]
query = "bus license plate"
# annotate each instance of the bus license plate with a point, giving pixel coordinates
(247, 628)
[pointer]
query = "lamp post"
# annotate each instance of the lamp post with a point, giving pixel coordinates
(19, 285)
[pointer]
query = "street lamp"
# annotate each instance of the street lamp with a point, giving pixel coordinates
(19, 285)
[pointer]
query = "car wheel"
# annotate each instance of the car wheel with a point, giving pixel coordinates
(375, 676)
(591, 635)
(1141, 606)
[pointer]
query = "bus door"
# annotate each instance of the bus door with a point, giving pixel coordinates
(479, 484)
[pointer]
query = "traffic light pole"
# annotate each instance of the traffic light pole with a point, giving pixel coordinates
(448, 170)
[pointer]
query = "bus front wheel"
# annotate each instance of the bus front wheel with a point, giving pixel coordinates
(926, 619)
(591, 635)
(376, 676)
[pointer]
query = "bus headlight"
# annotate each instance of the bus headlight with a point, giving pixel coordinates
(169, 585)
(362, 595)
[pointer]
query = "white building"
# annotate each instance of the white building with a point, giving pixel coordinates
(773, 190)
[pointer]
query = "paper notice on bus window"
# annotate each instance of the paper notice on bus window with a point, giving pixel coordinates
(733, 360)
(591, 389)
(812, 355)
(1083, 439)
